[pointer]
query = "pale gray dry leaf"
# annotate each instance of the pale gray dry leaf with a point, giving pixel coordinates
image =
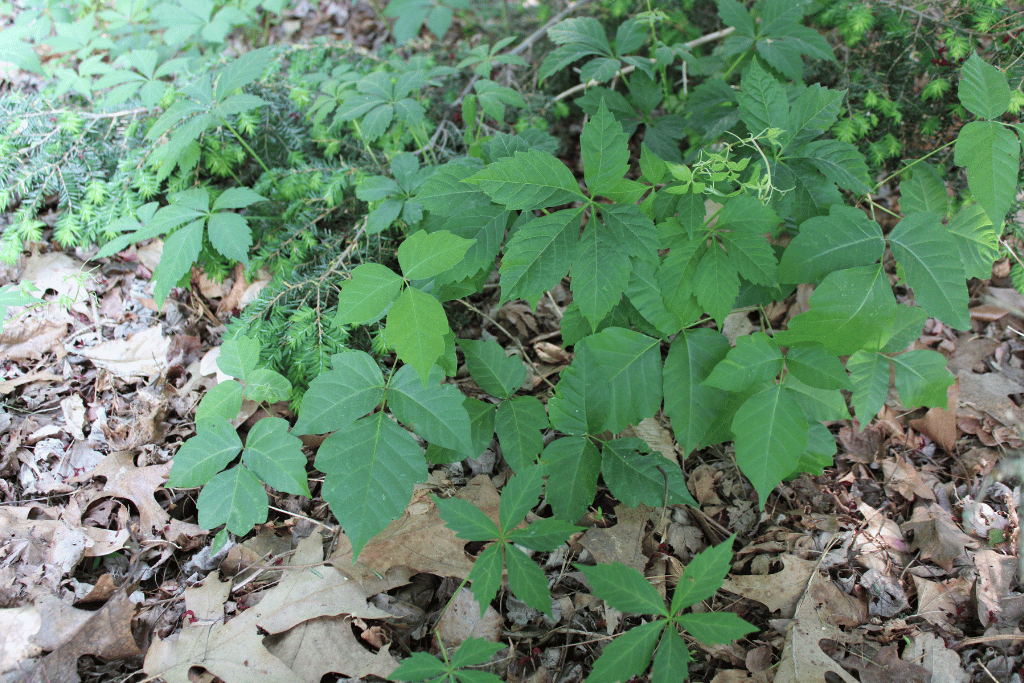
(803, 660)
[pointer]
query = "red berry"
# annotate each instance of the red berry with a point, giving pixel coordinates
(935, 61)
(943, 63)
(1006, 39)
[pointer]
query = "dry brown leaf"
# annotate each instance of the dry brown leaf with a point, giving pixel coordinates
(937, 535)
(902, 477)
(235, 651)
(144, 354)
(997, 605)
(778, 591)
(419, 538)
(462, 621)
(105, 633)
(31, 337)
(939, 603)
(886, 666)
(989, 394)
(656, 436)
(803, 660)
(934, 656)
(326, 645)
(620, 543)
(17, 627)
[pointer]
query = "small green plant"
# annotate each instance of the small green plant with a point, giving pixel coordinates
(459, 669)
(412, 14)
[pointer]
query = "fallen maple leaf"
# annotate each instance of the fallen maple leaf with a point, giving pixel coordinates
(779, 591)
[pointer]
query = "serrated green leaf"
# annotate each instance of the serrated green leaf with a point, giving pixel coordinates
(529, 180)
(771, 433)
(736, 15)
(922, 378)
(465, 519)
(922, 245)
(419, 667)
(338, 397)
(485, 576)
(371, 466)
(652, 166)
(382, 217)
(813, 366)
(276, 456)
(498, 374)
(716, 283)
(235, 498)
(208, 452)
(814, 111)
(672, 660)
(475, 651)
(416, 327)
(689, 404)
(851, 309)
(366, 297)
(230, 235)
(604, 150)
(487, 226)
(977, 240)
(600, 272)
(644, 293)
(518, 423)
(869, 373)
(586, 32)
(762, 101)
(239, 356)
(527, 580)
(520, 496)
(635, 476)
(703, 576)
(754, 360)
(223, 400)
(628, 655)
(925, 192)
(179, 254)
(242, 71)
(445, 194)
(983, 88)
(539, 255)
(423, 255)
(991, 155)
(574, 463)
(433, 410)
(543, 534)
(715, 627)
(624, 588)
(846, 239)
(237, 198)
(839, 161)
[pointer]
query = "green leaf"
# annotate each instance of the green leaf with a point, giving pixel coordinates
(529, 180)
(624, 588)
(839, 161)
(235, 498)
(487, 226)
(423, 255)
(814, 111)
(736, 15)
(636, 476)
(179, 253)
(475, 651)
(264, 385)
(239, 356)
(604, 150)
(338, 397)
(539, 255)
(626, 371)
(208, 452)
(869, 373)
(925, 192)
(906, 328)
(672, 660)
(498, 374)
(416, 327)
(543, 534)
(527, 580)
(237, 198)
(762, 100)
(383, 216)
(628, 655)
(703, 576)
(754, 360)
(923, 246)
(520, 496)
(771, 433)
(851, 309)
(983, 88)
(716, 283)
(715, 627)
(445, 194)
(652, 166)
(466, 519)
(485, 576)
(817, 404)
(600, 272)
(813, 366)
(276, 456)
(434, 411)
(689, 404)
(223, 400)
(229, 234)
(977, 240)
(991, 155)
(371, 467)
(366, 296)
(481, 425)
(519, 423)
(574, 463)
(922, 378)
(418, 667)
(242, 71)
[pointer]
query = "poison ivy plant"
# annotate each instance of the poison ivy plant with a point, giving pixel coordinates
(659, 640)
